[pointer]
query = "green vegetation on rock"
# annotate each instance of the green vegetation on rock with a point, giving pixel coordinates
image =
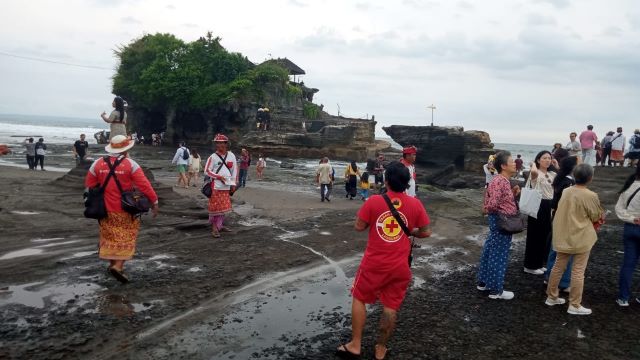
(311, 111)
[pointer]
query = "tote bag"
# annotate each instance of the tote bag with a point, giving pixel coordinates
(530, 200)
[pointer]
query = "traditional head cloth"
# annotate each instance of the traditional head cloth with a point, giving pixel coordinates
(410, 150)
(119, 144)
(220, 138)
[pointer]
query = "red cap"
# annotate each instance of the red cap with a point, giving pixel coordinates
(410, 150)
(220, 138)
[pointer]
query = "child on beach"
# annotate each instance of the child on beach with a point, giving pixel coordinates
(194, 167)
(364, 186)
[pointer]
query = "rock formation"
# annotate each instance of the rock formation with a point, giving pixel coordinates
(442, 146)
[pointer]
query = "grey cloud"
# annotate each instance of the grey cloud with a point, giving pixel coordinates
(41, 51)
(420, 4)
(356, 29)
(363, 6)
(130, 20)
(535, 19)
(111, 3)
(190, 25)
(298, 3)
(170, 7)
(612, 31)
(466, 5)
(634, 20)
(557, 3)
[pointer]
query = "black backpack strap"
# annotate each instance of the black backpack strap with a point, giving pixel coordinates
(396, 214)
(224, 162)
(632, 195)
(112, 172)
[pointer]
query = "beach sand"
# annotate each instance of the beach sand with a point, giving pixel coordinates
(189, 293)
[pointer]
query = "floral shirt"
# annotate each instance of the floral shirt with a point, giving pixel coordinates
(499, 197)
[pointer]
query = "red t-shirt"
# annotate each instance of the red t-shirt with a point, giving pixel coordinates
(388, 246)
(518, 164)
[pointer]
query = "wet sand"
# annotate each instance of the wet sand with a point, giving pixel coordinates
(277, 287)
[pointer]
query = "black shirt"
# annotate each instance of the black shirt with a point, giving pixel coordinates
(81, 147)
(557, 190)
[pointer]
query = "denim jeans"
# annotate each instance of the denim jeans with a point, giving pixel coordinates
(243, 177)
(631, 240)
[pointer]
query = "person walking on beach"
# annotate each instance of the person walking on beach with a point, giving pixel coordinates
(30, 149)
(262, 163)
(181, 160)
(574, 235)
(409, 154)
(384, 273)
(573, 146)
(245, 161)
(563, 180)
(628, 210)
(538, 229)
(606, 148)
(324, 178)
(194, 167)
(617, 148)
(364, 186)
(378, 172)
(79, 149)
(519, 164)
(117, 119)
(588, 139)
(351, 175)
(222, 168)
(41, 151)
(500, 200)
(634, 148)
(119, 230)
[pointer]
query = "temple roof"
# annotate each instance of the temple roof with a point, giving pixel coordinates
(289, 65)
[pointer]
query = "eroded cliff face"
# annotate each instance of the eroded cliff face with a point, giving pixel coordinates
(291, 134)
(442, 146)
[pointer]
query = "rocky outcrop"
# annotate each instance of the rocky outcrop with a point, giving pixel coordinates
(442, 146)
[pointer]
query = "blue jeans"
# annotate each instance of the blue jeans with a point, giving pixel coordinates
(243, 177)
(631, 240)
(364, 193)
(495, 257)
(565, 281)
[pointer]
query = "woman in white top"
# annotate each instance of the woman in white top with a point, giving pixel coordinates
(539, 229)
(260, 166)
(628, 210)
(117, 118)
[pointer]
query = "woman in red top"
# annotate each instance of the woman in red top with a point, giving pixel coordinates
(500, 199)
(119, 230)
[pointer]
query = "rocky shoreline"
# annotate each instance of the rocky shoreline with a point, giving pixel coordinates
(277, 287)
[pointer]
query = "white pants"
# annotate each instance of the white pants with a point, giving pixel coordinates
(588, 156)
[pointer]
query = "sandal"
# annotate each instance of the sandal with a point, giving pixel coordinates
(385, 352)
(118, 275)
(215, 233)
(344, 353)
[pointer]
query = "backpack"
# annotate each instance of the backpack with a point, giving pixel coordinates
(185, 153)
(634, 141)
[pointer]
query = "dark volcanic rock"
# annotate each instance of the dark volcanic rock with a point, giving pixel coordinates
(442, 146)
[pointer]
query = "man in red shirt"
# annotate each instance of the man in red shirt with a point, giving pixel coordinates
(384, 272)
(519, 164)
(588, 139)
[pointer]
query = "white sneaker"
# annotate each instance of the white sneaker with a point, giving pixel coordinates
(578, 311)
(505, 295)
(622, 302)
(481, 288)
(551, 302)
(544, 269)
(533, 271)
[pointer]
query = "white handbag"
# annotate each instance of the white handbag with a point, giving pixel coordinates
(530, 200)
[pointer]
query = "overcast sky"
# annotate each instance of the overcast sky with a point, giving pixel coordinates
(524, 71)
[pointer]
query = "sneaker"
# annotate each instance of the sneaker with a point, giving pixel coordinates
(544, 269)
(533, 271)
(481, 287)
(623, 302)
(578, 311)
(504, 295)
(551, 302)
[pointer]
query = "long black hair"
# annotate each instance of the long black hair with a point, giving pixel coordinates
(541, 154)
(119, 106)
(631, 179)
(354, 166)
(566, 168)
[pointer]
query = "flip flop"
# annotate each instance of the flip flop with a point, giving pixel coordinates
(344, 353)
(118, 275)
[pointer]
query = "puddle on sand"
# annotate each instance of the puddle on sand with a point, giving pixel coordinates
(46, 240)
(21, 253)
(161, 257)
(17, 212)
(417, 282)
(272, 319)
(326, 233)
(120, 306)
(194, 269)
(59, 243)
(80, 255)
(256, 222)
(33, 295)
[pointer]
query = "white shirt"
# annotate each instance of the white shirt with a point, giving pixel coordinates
(229, 172)
(178, 158)
(628, 214)
(618, 142)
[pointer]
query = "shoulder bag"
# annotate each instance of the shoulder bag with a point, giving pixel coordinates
(206, 186)
(512, 224)
(94, 207)
(133, 201)
(396, 215)
(530, 199)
